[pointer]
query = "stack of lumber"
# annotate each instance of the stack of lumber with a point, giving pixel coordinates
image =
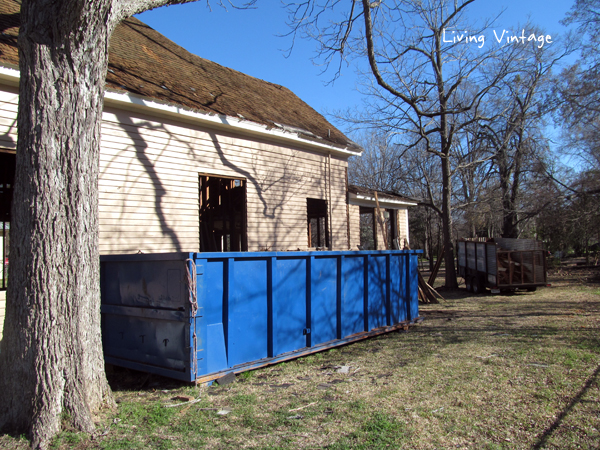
(427, 294)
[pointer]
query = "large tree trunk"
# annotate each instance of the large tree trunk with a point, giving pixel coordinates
(51, 362)
(450, 270)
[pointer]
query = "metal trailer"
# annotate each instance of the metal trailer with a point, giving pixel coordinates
(501, 264)
(199, 316)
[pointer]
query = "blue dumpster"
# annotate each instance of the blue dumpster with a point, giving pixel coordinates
(197, 316)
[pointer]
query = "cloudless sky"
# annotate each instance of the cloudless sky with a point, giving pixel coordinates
(248, 41)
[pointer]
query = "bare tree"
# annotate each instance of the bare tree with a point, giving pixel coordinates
(418, 73)
(571, 221)
(51, 363)
(379, 165)
(472, 177)
(516, 136)
(579, 87)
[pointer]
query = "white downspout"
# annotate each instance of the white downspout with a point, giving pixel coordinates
(330, 206)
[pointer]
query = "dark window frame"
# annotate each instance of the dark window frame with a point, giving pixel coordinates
(223, 213)
(317, 223)
(368, 211)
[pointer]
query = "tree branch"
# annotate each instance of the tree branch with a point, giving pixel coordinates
(128, 8)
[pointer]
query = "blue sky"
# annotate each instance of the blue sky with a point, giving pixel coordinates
(247, 40)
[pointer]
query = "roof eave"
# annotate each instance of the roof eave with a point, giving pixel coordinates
(127, 100)
(368, 201)
(10, 75)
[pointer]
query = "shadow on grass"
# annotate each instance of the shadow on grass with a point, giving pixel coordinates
(543, 439)
(122, 379)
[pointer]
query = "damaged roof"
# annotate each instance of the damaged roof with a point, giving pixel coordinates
(144, 62)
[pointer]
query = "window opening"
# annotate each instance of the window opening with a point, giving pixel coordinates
(318, 235)
(391, 227)
(223, 226)
(368, 230)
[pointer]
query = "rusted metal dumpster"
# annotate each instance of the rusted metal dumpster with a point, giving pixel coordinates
(501, 264)
(196, 316)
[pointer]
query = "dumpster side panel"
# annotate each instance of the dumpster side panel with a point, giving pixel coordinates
(377, 288)
(289, 305)
(213, 290)
(145, 313)
(480, 256)
(323, 311)
(212, 315)
(145, 284)
(353, 295)
(140, 339)
(247, 323)
(398, 300)
(471, 255)
(492, 264)
(412, 283)
(462, 257)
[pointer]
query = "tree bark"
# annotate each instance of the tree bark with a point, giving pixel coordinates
(450, 269)
(51, 360)
(445, 150)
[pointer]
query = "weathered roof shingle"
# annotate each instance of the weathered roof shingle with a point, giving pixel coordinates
(144, 62)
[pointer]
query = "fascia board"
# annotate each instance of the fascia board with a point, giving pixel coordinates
(9, 74)
(125, 100)
(368, 201)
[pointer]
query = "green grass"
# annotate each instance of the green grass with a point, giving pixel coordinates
(146, 417)
(379, 431)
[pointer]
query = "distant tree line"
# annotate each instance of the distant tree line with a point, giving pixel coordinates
(468, 130)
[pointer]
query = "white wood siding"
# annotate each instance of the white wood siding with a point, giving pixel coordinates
(401, 220)
(354, 211)
(149, 186)
(9, 99)
(380, 239)
(403, 225)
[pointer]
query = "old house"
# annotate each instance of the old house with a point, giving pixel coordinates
(199, 157)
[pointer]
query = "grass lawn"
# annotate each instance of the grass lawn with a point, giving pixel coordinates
(483, 372)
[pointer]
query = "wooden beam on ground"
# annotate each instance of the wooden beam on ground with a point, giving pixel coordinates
(436, 268)
(429, 294)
